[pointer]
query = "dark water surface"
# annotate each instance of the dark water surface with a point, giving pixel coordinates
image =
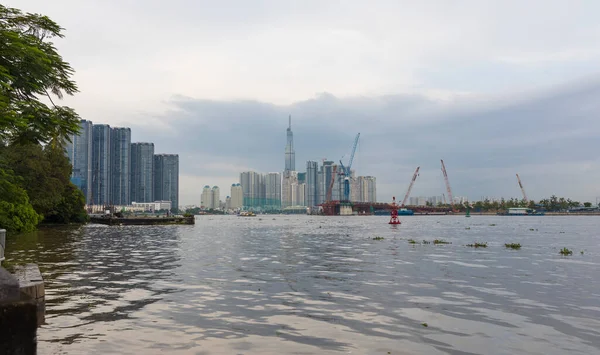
(316, 285)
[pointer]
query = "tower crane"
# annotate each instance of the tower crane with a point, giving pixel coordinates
(448, 189)
(346, 170)
(522, 189)
(412, 182)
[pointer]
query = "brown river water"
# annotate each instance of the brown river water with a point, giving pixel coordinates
(320, 285)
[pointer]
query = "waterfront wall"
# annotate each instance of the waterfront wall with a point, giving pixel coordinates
(18, 318)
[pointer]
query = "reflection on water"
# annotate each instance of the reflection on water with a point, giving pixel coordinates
(314, 285)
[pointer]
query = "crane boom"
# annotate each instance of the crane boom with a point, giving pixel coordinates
(346, 170)
(448, 189)
(412, 182)
(522, 189)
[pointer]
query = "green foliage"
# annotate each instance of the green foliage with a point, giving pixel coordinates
(378, 238)
(565, 252)
(440, 241)
(16, 213)
(30, 68)
(515, 246)
(477, 245)
(412, 241)
(587, 204)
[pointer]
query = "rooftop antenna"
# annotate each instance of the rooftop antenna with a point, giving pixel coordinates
(290, 121)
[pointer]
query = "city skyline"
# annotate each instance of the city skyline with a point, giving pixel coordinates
(489, 109)
(111, 170)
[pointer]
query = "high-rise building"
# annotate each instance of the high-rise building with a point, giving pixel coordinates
(101, 186)
(79, 151)
(215, 196)
(290, 154)
(367, 189)
(325, 175)
(253, 188)
(301, 178)
(237, 196)
(272, 191)
(298, 194)
(227, 203)
(142, 172)
(166, 179)
(206, 198)
(290, 179)
(312, 187)
(120, 150)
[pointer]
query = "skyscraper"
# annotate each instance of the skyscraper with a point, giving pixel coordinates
(312, 188)
(367, 186)
(237, 196)
(142, 172)
(101, 187)
(290, 154)
(79, 151)
(215, 196)
(272, 191)
(120, 150)
(166, 179)
(290, 180)
(205, 198)
(253, 189)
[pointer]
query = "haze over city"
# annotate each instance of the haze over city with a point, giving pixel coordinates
(421, 82)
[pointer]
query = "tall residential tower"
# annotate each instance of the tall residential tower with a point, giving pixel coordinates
(101, 187)
(166, 179)
(120, 150)
(79, 151)
(142, 177)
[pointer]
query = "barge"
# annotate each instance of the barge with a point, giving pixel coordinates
(141, 221)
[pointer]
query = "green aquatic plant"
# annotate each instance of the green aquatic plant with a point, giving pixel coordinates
(378, 238)
(565, 251)
(426, 242)
(424, 324)
(440, 241)
(412, 241)
(492, 225)
(582, 252)
(516, 246)
(468, 228)
(478, 245)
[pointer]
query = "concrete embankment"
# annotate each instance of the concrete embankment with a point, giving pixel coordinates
(22, 306)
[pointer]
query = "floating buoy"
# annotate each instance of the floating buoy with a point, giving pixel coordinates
(394, 218)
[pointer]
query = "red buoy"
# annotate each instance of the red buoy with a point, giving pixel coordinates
(394, 219)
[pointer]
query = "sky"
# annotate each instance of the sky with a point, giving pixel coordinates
(492, 87)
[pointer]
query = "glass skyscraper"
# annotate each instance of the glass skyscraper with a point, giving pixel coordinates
(79, 151)
(166, 179)
(101, 188)
(120, 149)
(142, 176)
(290, 154)
(272, 191)
(312, 187)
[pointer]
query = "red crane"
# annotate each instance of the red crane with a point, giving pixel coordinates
(414, 178)
(522, 189)
(447, 185)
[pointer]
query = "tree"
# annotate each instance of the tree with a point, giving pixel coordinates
(587, 204)
(30, 68)
(16, 213)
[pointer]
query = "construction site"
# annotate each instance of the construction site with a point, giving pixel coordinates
(345, 207)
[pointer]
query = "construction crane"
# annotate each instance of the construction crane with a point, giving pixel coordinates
(412, 182)
(330, 190)
(448, 189)
(346, 170)
(522, 189)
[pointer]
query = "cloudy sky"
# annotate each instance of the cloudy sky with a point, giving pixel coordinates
(492, 87)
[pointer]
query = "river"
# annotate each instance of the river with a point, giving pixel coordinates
(319, 285)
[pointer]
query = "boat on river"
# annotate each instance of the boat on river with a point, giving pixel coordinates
(520, 211)
(246, 214)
